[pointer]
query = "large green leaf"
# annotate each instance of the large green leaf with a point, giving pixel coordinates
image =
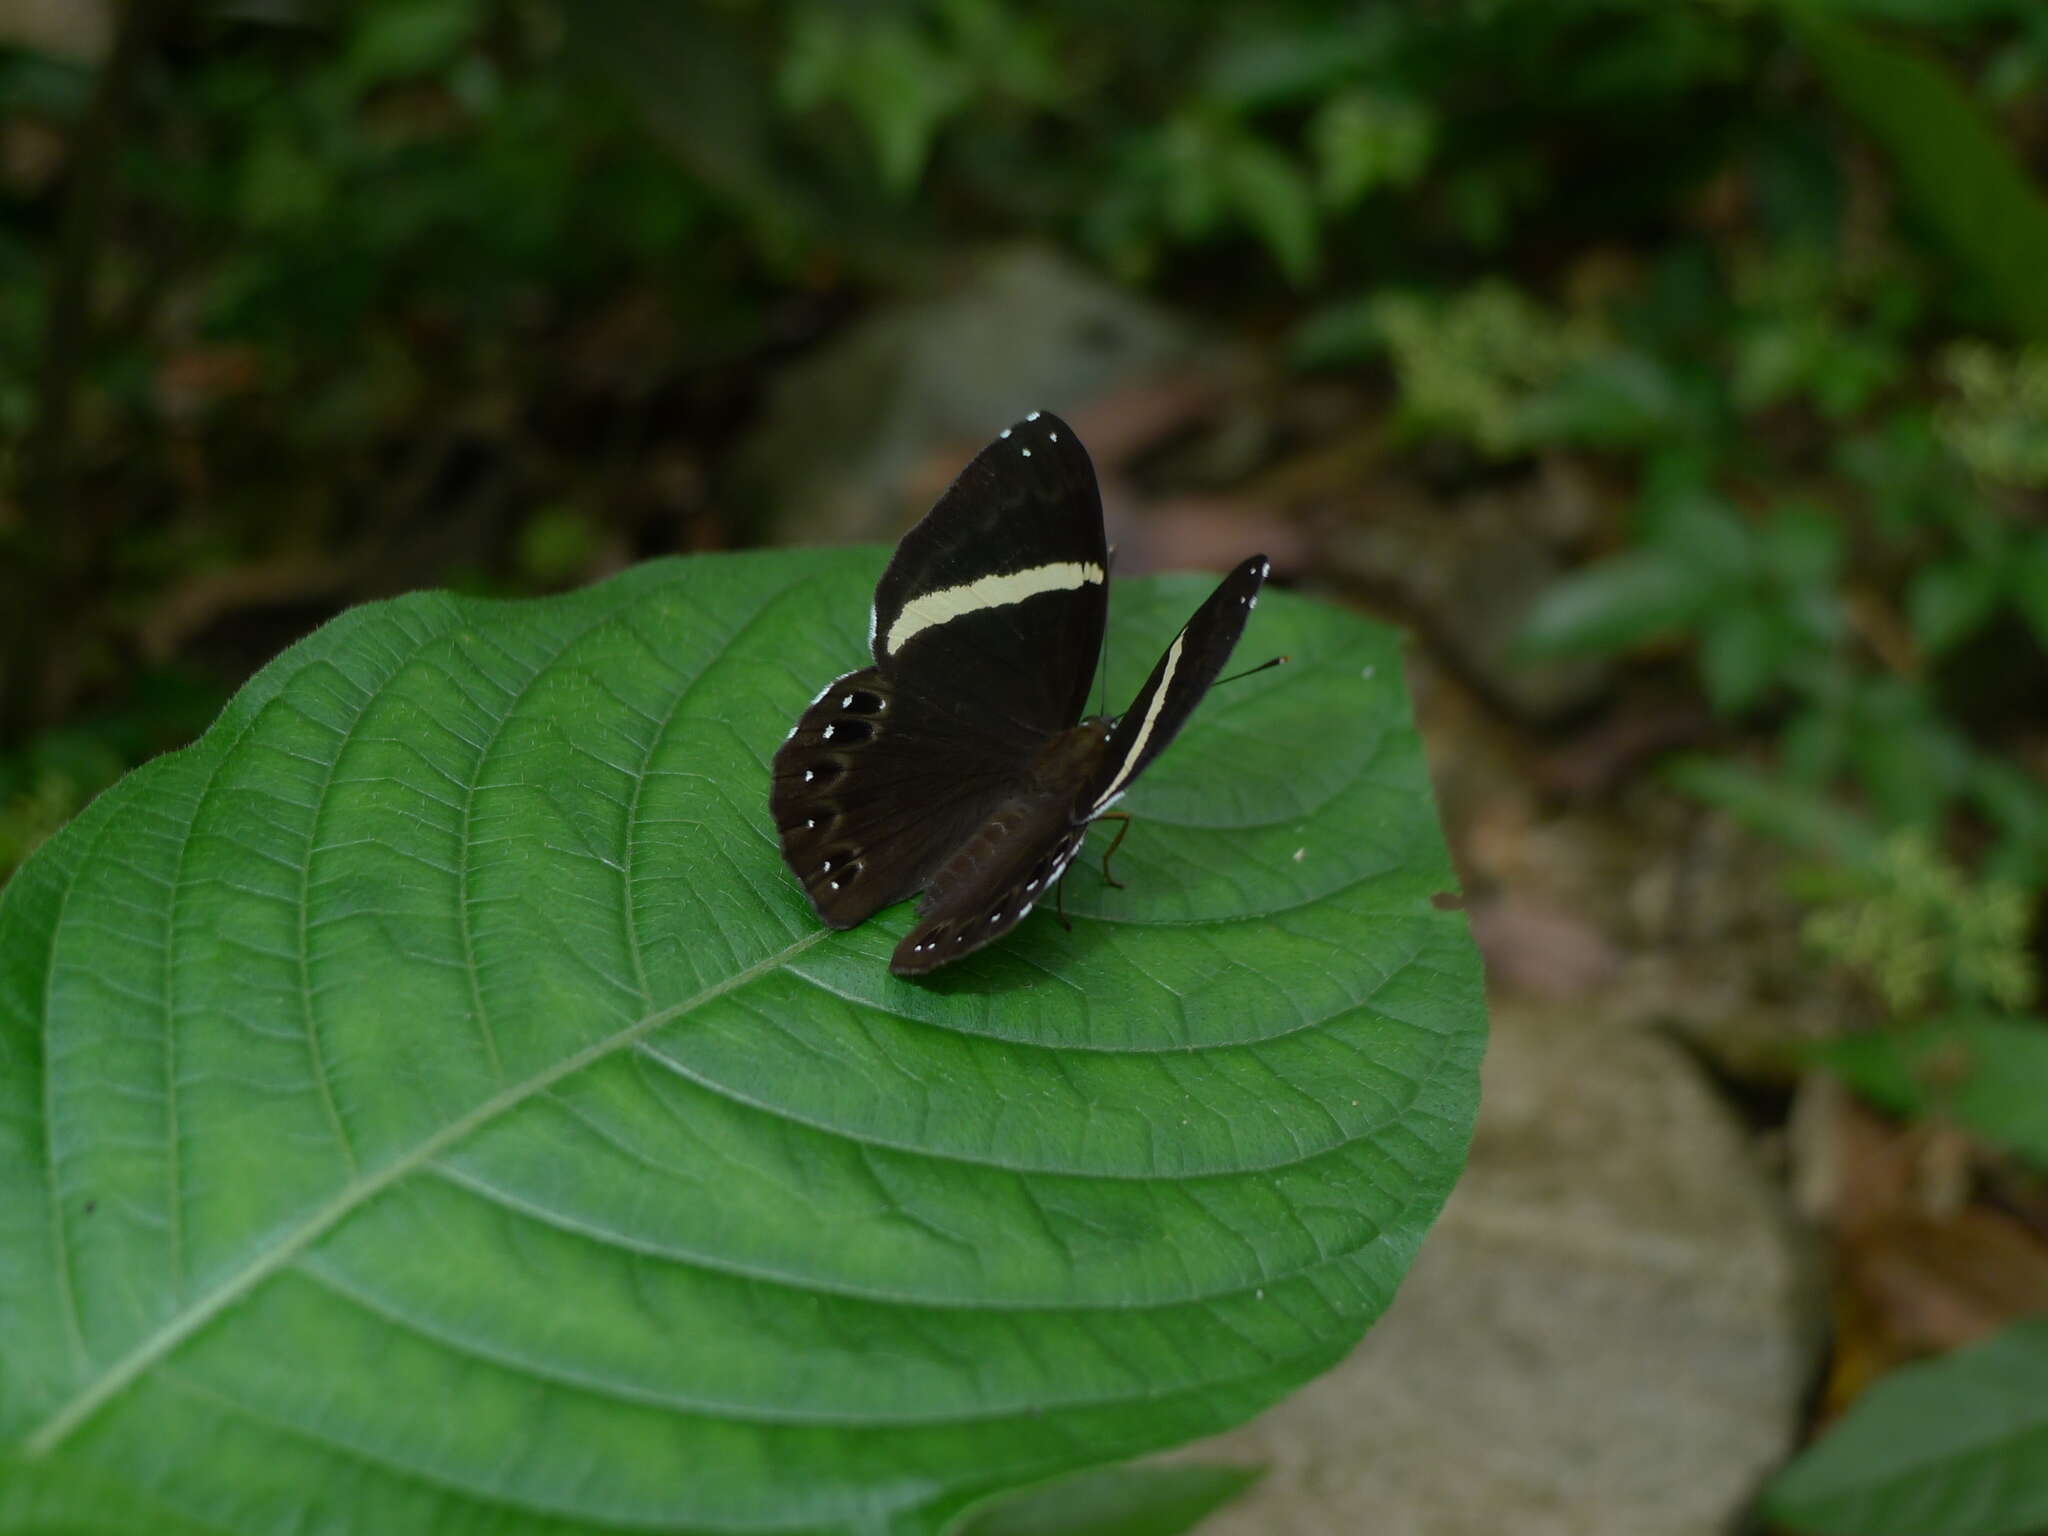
(1954, 1447)
(1118, 1501)
(427, 1104)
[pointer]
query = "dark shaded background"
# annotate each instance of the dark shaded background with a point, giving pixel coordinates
(1677, 374)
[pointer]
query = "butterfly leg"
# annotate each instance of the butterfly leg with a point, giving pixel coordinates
(1114, 843)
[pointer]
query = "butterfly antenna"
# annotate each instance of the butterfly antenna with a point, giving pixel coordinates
(1277, 661)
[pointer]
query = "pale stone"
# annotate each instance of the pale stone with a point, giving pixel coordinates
(1609, 1330)
(926, 382)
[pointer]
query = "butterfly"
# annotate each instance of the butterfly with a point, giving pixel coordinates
(959, 764)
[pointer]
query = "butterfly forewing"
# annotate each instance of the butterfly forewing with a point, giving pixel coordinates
(1184, 674)
(996, 600)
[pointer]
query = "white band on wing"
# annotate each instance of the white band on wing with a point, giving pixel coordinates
(922, 612)
(1137, 746)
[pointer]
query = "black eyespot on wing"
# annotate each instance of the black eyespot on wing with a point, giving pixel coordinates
(836, 873)
(811, 772)
(865, 801)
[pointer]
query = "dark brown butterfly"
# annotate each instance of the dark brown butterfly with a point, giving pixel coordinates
(959, 763)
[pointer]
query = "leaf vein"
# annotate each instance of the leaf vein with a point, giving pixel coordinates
(158, 1344)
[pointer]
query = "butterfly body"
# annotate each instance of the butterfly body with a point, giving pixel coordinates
(958, 764)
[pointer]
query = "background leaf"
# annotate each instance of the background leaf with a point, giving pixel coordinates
(2030, 586)
(1950, 601)
(1119, 1501)
(1958, 1445)
(1739, 655)
(428, 1102)
(1952, 159)
(1782, 811)
(1275, 198)
(1990, 1075)
(1616, 603)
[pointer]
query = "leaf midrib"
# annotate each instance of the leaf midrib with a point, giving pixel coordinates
(157, 1345)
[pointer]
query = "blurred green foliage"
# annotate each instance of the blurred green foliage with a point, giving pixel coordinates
(1925, 934)
(1874, 595)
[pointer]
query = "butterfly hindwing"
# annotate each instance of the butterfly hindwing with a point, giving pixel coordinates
(871, 791)
(998, 596)
(991, 883)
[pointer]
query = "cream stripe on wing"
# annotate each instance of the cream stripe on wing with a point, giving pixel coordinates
(931, 608)
(1116, 785)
